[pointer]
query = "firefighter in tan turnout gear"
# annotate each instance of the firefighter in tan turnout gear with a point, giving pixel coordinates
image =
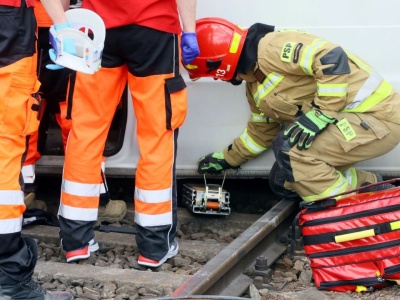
(319, 107)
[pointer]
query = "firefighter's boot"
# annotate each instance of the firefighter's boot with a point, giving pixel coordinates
(114, 211)
(32, 203)
(378, 187)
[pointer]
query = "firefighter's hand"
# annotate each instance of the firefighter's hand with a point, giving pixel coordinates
(189, 46)
(305, 129)
(212, 163)
(68, 46)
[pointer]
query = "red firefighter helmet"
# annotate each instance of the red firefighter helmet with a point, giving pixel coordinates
(220, 43)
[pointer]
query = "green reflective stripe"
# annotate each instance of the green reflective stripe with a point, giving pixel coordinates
(261, 118)
(250, 144)
(332, 90)
(359, 63)
(375, 98)
(267, 86)
(351, 176)
(308, 56)
(341, 185)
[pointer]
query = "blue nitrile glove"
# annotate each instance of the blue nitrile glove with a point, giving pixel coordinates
(189, 46)
(68, 46)
(305, 129)
(212, 163)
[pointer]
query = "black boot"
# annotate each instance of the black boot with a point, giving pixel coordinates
(378, 187)
(14, 288)
(375, 188)
(30, 290)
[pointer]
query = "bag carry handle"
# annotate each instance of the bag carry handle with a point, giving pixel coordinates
(354, 236)
(380, 229)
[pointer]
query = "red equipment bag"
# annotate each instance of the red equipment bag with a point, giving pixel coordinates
(353, 243)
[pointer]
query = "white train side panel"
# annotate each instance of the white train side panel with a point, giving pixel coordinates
(218, 112)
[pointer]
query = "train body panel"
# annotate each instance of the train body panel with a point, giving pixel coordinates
(369, 28)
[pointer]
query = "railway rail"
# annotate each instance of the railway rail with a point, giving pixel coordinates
(203, 267)
(265, 240)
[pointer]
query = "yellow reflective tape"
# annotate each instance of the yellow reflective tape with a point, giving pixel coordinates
(395, 225)
(359, 63)
(354, 236)
(235, 43)
(191, 67)
(332, 90)
(341, 185)
(250, 144)
(351, 176)
(261, 118)
(377, 97)
(270, 82)
(308, 56)
(258, 118)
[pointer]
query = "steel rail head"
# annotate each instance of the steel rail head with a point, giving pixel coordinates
(240, 253)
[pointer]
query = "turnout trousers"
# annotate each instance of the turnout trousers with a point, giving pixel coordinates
(148, 61)
(18, 119)
(328, 168)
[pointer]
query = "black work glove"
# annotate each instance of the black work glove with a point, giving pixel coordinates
(305, 129)
(212, 163)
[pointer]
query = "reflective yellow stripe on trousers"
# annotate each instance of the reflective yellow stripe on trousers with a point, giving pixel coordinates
(341, 185)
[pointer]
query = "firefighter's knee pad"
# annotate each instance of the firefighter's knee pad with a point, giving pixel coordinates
(281, 148)
(277, 184)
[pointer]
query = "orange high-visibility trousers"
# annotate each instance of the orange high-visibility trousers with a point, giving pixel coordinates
(92, 113)
(149, 62)
(18, 119)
